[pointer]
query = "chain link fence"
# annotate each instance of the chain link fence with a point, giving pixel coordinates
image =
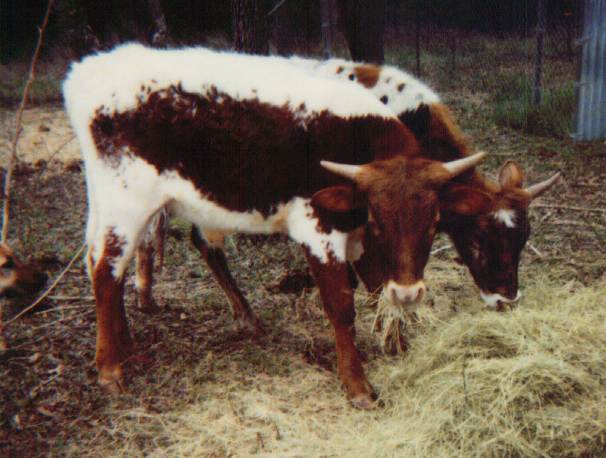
(523, 55)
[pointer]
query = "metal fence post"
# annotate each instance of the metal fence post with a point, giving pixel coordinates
(590, 117)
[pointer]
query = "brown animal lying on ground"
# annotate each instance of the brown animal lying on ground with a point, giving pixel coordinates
(18, 280)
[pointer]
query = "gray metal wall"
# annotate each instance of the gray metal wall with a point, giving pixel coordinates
(591, 108)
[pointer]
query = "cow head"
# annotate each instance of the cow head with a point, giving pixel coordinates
(490, 236)
(17, 279)
(401, 196)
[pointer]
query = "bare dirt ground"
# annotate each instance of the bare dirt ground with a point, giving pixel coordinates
(50, 404)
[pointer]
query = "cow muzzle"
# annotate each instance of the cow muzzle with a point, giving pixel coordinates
(405, 294)
(496, 300)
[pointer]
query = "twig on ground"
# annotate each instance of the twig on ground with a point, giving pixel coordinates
(13, 153)
(569, 207)
(50, 324)
(49, 289)
(535, 250)
(442, 248)
(70, 298)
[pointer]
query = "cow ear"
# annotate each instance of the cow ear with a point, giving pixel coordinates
(511, 175)
(464, 200)
(340, 198)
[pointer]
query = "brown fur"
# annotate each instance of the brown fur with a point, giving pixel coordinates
(114, 344)
(18, 280)
(367, 74)
(164, 133)
(247, 155)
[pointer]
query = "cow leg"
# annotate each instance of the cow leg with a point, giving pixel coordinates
(369, 265)
(109, 255)
(214, 256)
(144, 278)
(337, 297)
(152, 242)
(114, 343)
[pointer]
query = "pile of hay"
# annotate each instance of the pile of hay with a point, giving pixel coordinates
(529, 382)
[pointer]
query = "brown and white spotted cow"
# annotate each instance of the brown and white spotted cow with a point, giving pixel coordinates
(248, 144)
(490, 236)
(17, 279)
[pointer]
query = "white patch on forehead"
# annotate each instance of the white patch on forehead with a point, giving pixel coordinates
(303, 228)
(492, 299)
(506, 216)
(136, 71)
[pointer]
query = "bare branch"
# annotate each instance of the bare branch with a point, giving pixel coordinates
(276, 8)
(13, 153)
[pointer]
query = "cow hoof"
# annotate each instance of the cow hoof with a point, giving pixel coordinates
(113, 387)
(251, 327)
(364, 401)
(148, 307)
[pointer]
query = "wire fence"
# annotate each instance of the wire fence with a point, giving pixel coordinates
(525, 59)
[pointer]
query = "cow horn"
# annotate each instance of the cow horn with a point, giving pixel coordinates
(460, 165)
(345, 170)
(537, 189)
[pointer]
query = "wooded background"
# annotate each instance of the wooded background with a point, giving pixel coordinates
(286, 27)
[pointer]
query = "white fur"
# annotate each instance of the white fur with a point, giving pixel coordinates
(414, 93)
(125, 192)
(492, 299)
(355, 247)
(132, 195)
(303, 228)
(506, 216)
(113, 80)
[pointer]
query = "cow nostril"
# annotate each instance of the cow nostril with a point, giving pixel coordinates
(393, 296)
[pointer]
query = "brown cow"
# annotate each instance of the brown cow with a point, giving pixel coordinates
(18, 280)
(488, 236)
(248, 144)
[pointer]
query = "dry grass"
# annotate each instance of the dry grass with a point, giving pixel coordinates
(531, 382)
(527, 382)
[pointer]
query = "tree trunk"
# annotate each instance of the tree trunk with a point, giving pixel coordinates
(418, 40)
(326, 27)
(250, 26)
(538, 66)
(363, 23)
(160, 36)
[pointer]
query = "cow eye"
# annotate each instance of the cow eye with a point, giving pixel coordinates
(8, 264)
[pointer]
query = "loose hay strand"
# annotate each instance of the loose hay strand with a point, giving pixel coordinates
(390, 324)
(529, 382)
